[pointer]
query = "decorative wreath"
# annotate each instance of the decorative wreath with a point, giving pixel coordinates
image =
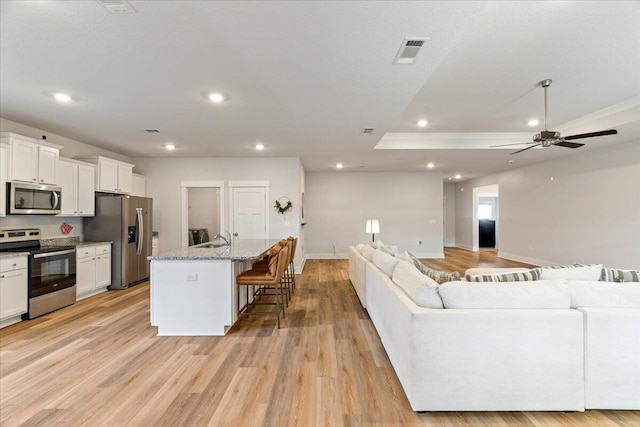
(279, 206)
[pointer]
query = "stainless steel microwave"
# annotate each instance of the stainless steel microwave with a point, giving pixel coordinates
(33, 199)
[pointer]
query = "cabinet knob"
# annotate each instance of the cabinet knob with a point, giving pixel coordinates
(2, 277)
(13, 265)
(42, 180)
(33, 179)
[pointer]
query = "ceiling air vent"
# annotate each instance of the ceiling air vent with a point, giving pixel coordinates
(152, 130)
(117, 6)
(409, 49)
(366, 131)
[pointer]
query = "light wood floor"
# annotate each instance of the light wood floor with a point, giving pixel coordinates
(99, 363)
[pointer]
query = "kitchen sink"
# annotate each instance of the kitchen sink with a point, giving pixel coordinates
(213, 245)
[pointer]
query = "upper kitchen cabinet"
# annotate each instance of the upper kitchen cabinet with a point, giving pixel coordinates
(31, 160)
(139, 185)
(112, 176)
(77, 180)
(4, 177)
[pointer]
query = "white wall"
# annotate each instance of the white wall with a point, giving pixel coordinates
(408, 205)
(71, 147)
(164, 176)
(203, 209)
(449, 214)
(588, 213)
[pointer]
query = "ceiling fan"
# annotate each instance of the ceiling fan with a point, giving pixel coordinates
(547, 138)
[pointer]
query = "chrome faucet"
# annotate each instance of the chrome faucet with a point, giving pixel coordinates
(227, 239)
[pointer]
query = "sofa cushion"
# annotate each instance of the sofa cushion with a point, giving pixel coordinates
(538, 294)
(604, 294)
(384, 261)
(437, 275)
(572, 272)
(367, 251)
(376, 245)
(359, 247)
(619, 276)
(422, 290)
(516, 276)
(478, 271)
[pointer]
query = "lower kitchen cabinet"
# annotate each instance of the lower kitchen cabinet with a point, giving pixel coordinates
(13, 290)
(93, 270)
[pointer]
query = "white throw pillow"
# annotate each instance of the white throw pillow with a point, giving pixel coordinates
(359, 247)
(376, 245)
(537, 294)
(572, 272)
(422, 290)
(367, 251)
(604, 294)
(384, 261)
(405, 256)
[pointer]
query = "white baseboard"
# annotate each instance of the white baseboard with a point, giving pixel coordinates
(461, 246)
(527, 260)
(328, 256)
(436, 255)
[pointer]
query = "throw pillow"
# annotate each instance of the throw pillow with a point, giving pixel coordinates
(376, 245)
(522, 276)
(386, 249)
(359, 247)
(437, 275)
(619, 276)
(384, 261)
(572, 272)
(367, 251)
(422, 290)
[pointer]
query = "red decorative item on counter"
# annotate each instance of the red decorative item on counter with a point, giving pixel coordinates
(66, 228)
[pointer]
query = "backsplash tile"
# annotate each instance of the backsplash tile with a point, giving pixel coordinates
(50, 226)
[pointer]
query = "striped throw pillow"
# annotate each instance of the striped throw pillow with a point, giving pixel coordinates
(619, 276)
(436, 275)
(520, 276)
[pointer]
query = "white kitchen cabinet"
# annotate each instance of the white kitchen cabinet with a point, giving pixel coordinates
(139, 185)
(93, 270)
(112, 176)
(4, 177)
(31, 160)
(77, 180)
(13, 290)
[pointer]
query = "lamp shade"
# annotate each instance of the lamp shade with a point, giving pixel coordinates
(373, 226)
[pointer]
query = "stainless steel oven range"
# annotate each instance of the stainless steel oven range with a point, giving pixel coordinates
(52, 270)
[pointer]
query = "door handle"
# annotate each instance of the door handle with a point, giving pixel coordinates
(235, 234)
(140, 230)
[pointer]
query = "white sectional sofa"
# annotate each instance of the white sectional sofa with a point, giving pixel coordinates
(506, 346)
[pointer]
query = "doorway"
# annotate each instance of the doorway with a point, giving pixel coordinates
(250, 213)
(202, 211)
(486, 217)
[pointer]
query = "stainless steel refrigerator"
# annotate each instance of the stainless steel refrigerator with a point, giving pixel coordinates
(126, 221)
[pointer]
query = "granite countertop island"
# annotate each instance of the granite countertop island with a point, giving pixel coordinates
(194, 291)
(239, 250)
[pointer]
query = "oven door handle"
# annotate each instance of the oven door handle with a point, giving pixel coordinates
(46, 254)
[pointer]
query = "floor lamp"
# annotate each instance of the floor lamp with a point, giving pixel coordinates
(373, 227)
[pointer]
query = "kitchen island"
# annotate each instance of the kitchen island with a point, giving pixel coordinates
(193, 290)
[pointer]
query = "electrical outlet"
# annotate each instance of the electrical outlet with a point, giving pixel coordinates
(192, 277)
(419, 242)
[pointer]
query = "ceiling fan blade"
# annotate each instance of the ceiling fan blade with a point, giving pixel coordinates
(591, 134)
(525, 149)
(513, 143)
(569, 144)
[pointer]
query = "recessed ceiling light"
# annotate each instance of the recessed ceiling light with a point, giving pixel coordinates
(62, 97)
(430, 165)
(533, 122)
(259, 146)
(216, 97)
(458, 176)
(170, 147)
(339, 165)
(511, 162)
(449, 178)
(422, 123)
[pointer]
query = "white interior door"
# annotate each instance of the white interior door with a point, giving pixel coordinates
(249, 213)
